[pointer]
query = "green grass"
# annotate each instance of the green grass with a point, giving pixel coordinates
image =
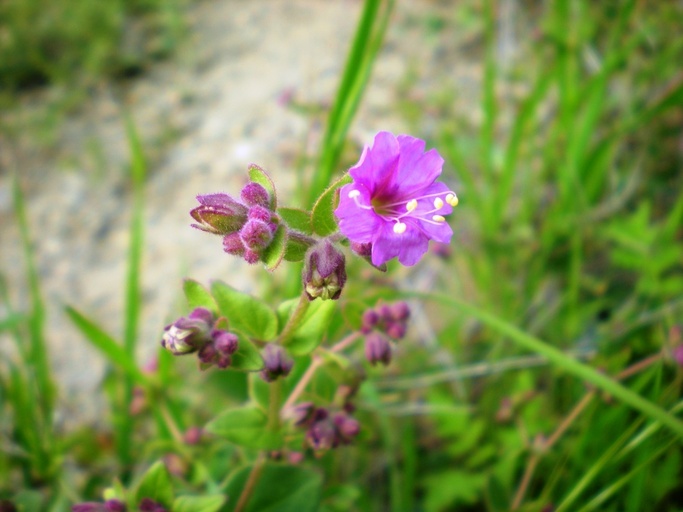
(545, 373)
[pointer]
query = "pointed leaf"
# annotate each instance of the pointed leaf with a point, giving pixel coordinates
(297, 219)
(156, 485)
(198, 296)
(275, 252)
(245, 312)
(322, 217)
(258, 175)
(280, 489)
(245, 426)
(310, 332)
(247, 358)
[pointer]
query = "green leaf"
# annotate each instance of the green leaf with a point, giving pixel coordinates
(245, 312)
(297, 219)
(275, 252)
(258, 175)
(309, 333)
(115, 353)
(248, 357)
(322, 216)
(198, 296)
(245, 426)
(295, 250)
(156, 485)
(210, 503)
(280, 489)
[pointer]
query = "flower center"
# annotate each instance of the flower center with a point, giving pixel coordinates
(394, 212)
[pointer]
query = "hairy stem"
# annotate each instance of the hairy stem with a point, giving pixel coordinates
(294, 320)
(250, 484)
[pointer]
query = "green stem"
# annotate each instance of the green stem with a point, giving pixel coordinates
(250, 484)
(275, 400)
(294, 320)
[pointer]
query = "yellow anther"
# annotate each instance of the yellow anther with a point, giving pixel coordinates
(452, 199)
(411, 205)
(354, 193)
(399, 228)
(438, 203)
(437, 218)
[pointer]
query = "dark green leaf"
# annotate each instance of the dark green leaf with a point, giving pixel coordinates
(245, 312)
(198, 296)
(280, 489)
(156, 485)
(245, 426)
(322, 217)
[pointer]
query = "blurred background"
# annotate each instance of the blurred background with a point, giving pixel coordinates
(561, 124)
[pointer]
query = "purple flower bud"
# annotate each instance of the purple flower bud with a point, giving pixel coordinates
(256, 235)
(255, 194)
(377, 349)
(400, 311)
(219, 214)
(193, 435)
(300, 414)
(208, 354)
(396, 330)
(322, 434)
(260, 213)
(677, 354)
(276, 362)
(223, 361)
(188, 334)
(225, 342)
(114, 506)
(251, 257)
(149, 505)
(347, 427)
(324, 271)
(369, 320)
(232, 244)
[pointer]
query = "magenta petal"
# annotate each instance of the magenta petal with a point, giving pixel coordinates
(440, 232)
(357, 224)
(419, 170)
(377, 165)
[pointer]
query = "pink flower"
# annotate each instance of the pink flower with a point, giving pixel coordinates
(394, 202)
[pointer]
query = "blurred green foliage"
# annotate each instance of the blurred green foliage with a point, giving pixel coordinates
(82, 41)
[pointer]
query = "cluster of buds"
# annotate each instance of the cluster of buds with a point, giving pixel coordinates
(276, 362)
(202, 333)
(324, 271)
(325, 429)
(247, 226)
(145, 505)
(381, 323)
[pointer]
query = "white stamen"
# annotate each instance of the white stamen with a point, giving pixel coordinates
(452, 199)
(411, 205)
(399, 228)
(438, 203)
(438, 218)
(354, 194)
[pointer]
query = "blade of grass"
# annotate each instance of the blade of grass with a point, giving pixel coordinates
(365, 47)
(561, 360)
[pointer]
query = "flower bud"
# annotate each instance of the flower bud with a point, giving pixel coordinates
(322, 433)
(377, 349)
(193, 435)
(399, 311)
(219, 214)
(225, 342)
(324, 271)
(276, 362)
(369, 321)
(188, 334)
(114, 506)
(396, 330)
(347, 427)
(149, 505)
(256, 235)
(362, 249)
(255, 194)
(300, 414)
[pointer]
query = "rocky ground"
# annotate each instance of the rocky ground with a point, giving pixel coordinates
(204, 115)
